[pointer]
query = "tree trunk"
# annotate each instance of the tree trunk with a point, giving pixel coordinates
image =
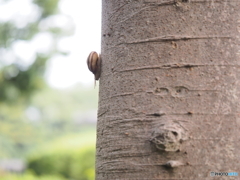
(169, 105)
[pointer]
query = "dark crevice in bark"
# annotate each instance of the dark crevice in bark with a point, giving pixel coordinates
(176, 38)
(167, 66)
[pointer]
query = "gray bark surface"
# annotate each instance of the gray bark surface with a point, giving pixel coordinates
(169, 100)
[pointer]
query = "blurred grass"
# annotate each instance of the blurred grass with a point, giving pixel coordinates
(68, 157)
(29, 176)
(60, 143)
(71, 156)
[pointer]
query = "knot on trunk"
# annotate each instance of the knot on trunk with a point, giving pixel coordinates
(169, 137)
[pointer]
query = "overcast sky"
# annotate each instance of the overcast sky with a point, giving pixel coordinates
(63, 71)
(68, 70)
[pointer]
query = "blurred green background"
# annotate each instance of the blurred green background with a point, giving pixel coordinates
(45, 133)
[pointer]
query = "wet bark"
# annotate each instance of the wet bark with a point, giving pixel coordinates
(169, 100)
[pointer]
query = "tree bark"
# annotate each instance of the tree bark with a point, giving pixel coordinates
(169, 100)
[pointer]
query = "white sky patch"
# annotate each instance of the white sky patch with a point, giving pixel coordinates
(7, 56)
(24, 51)
(87, 18)
(64, 72)
(42, 43)
(65, 44)
(60, 21)
(20, 12)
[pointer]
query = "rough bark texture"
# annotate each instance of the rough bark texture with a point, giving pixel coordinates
(169, 104)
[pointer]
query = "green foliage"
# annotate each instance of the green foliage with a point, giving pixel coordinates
(17, 81)
(48, 7)
(20, 81)
(59, 111)
(72, 157)
(78, 165)
(10, 33)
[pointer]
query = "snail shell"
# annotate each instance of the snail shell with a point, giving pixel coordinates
(94, 64)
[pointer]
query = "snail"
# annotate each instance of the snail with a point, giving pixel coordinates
(94, 64)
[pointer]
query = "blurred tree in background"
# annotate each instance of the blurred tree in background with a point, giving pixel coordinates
(33, 115)
(29, 36)
(21, 76)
